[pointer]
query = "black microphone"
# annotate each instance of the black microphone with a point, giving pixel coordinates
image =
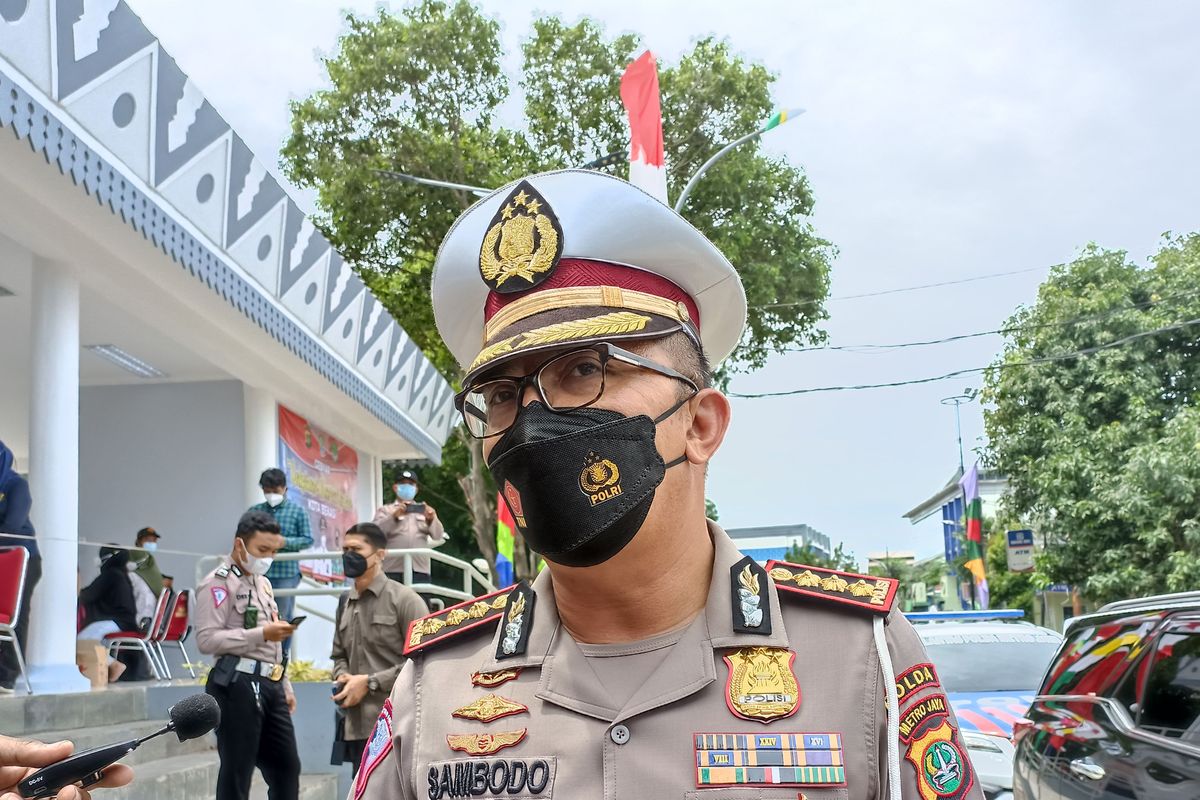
(191, 717)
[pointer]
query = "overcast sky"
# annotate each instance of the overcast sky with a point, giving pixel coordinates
(943, 140)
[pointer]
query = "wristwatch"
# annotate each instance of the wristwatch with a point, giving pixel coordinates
(372, 684)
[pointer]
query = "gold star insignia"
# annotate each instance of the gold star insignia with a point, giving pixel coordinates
(506, 212)
(533, 206)
(521, 198)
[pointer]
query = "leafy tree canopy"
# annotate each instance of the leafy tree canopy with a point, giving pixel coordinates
(1101, 450)
(423, 91)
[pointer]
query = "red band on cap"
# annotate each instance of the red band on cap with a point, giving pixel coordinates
(572, 272)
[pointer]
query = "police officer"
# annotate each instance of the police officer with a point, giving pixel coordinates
(650, 659)
(238, 622)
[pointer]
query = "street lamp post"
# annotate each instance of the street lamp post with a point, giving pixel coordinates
(401, 176)
(956, 401)
(775, 121)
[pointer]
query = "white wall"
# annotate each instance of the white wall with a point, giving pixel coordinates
(168, 456)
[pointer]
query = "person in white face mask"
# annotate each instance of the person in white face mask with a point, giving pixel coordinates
(296, 529)
(238, 622)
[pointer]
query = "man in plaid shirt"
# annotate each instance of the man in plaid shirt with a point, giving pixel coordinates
(297, 535)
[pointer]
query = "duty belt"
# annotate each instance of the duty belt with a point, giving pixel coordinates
(263, 669)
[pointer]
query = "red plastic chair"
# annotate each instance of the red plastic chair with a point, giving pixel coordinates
(145, 642)
(12, 588)
(176, 628)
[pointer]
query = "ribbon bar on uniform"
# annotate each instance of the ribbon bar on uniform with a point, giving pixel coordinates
(777, 759)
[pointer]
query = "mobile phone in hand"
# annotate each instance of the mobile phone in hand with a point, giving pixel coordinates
(415, 508)
(294, 621)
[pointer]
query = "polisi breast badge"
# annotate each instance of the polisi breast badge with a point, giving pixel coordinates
(761, 684)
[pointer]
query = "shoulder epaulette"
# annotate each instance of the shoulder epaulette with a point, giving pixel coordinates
(450, 622)
(223, 572)
(868, 592)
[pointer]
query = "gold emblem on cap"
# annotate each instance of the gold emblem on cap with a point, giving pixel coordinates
(600, 479)
(523, 243)
(761, 683)
(489, 708)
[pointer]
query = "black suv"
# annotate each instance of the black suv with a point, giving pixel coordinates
(1118, 713)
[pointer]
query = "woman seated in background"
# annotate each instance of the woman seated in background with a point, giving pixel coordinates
(108, 603)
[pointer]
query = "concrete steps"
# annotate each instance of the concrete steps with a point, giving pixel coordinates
(312, 787)
(165, 746)
(165, 768)
(186, 777)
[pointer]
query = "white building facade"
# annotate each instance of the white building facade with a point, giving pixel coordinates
(162, 302)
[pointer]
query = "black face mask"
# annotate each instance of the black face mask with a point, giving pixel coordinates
(354, 565)
(579, 483)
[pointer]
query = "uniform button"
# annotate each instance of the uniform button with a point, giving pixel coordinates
(619, 734)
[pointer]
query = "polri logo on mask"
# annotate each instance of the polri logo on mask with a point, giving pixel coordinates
(600, 479)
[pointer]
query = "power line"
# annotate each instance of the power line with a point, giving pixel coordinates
(1087, 351)
(901, 289)
(1142, 306)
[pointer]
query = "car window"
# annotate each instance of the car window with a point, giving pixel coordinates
(1096, 656)
(1171, 699)
(1012, 663)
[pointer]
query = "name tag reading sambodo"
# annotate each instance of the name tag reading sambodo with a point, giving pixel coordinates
(517, 778)
(775, 759)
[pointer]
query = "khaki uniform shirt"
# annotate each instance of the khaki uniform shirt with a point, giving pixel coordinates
(410, 532)
(221, 603)
(776, 694)
(369, 640)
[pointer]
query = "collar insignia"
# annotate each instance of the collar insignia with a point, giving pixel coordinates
(517, 622)
(523, 244)
(751, 597)
(761, 684)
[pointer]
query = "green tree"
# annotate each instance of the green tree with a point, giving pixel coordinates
(419, 92)
(840, 559)
(1100, 450)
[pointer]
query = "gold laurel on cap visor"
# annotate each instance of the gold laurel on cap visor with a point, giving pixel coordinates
(569, 326)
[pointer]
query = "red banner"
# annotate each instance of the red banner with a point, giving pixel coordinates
(322, 474)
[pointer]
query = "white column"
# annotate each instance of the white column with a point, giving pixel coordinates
(54, 476)
(262, 438)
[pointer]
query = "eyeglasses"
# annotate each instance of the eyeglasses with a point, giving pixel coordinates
(565, 382)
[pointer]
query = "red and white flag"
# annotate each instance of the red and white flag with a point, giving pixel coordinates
(639, 93)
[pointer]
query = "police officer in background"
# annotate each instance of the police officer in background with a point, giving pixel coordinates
(237, 621)
(650, 659)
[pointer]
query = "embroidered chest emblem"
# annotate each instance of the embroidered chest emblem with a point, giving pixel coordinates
(761, 684)
(490, 708)
(378, 746)
(943, 771)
